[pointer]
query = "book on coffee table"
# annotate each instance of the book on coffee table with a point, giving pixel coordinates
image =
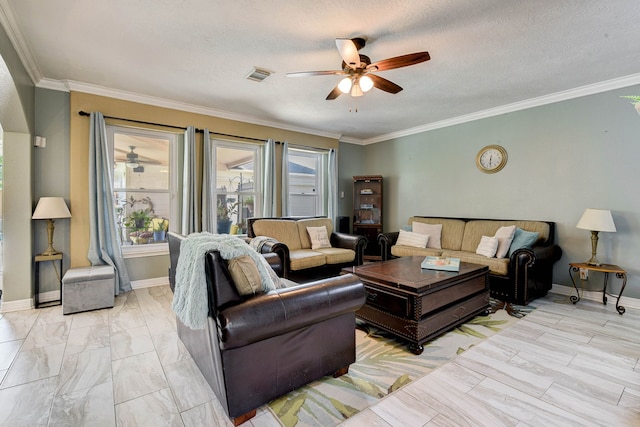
(441, 263)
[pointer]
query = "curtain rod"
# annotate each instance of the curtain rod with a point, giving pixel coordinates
(84, 113)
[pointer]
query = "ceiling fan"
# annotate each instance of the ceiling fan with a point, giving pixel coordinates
(359, 70)
(134, 161)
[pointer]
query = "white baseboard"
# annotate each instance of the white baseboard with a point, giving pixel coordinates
(597, 296)
(27, 304)
(149, 283)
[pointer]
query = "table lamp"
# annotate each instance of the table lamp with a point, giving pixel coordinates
(51, 208)
(596, 220)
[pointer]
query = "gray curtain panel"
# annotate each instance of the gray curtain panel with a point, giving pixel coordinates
(190, 206)
(269, 179)
(332, 185)
(208, 185)
(104, 240)
(285, 179)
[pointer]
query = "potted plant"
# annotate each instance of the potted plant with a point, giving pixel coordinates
(138, 223)
(226, 208)
(160, 227)
(635, 100)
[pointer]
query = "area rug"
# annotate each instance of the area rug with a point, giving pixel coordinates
(383, 365)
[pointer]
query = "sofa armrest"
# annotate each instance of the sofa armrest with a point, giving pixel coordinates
(282, 251)
(275, 263)
(386, 240)
(285, 310)
(350, 241)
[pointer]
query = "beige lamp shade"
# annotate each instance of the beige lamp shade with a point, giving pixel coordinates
(597, 220)
(51, 208)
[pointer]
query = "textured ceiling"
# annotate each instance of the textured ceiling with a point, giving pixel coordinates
(485, 54)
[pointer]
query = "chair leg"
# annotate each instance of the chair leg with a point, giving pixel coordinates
(244, 417)
(341, 372)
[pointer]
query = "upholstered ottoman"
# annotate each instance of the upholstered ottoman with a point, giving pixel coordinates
(88, 288)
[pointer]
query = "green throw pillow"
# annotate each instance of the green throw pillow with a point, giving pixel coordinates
(523, 239)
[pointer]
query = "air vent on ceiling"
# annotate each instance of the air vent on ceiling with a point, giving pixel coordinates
(258, 74)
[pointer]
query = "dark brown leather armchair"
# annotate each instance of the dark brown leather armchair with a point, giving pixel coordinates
(259, 348)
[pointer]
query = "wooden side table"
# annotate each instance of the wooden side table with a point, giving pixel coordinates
(38, 259)
(575, 267)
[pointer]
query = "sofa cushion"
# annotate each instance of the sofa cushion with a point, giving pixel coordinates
(302, 224)
(487, 246)
(284, 231)
(452, 230)
(523, 239)
(319, 237)
(409, 238)
(434, 231)
(399, 250)
(505, 237)
(245, 275)
(337, 255)
(496, 265)
(475, 229)
(306, 258)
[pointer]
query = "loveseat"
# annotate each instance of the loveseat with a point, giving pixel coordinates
(523, 274)
(302, 261)
(256, 348)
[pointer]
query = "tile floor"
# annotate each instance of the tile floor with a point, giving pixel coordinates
(561, 365)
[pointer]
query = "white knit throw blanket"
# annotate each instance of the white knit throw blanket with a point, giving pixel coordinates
(190, 300)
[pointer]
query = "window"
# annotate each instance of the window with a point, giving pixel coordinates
(237, 191)
(144, 186)
(307, 183)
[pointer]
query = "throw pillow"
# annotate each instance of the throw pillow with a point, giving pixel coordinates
(319, 238)
(488, 246)
(523, 239)
(406, 228)
(505, 237)
(409, 238)
(245, 275)
(434, 231)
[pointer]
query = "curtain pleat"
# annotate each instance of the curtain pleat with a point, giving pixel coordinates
(269, 179)
(332, 185)
(190, 206)
(208, 185)
(104, 237)
(285, 179)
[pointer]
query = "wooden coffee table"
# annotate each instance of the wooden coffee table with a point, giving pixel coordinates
(418, 304)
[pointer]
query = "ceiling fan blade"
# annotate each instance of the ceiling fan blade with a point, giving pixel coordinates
(334, 94)
(349, 52)
(384, 84)
(399, 61)
(315, 73)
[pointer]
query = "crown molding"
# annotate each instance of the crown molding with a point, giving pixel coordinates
(618, 83)
(581, 91)
(10, 24)
(70, 85)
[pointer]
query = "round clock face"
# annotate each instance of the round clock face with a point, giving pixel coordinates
(491, 158)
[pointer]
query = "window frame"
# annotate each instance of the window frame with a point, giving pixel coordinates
(138, 251)
(321, 194)
(258, 153)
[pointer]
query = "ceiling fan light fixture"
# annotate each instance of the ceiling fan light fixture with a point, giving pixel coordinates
(132, 165)
(366, 84)
(356, 91)
(345, 85)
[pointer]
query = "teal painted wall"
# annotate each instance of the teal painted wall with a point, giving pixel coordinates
(51, 176)
(563, 158)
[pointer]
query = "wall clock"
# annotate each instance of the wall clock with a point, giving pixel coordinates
(491, 159)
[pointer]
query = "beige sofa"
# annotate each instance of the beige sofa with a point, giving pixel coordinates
(292, 243)
(524, 275)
